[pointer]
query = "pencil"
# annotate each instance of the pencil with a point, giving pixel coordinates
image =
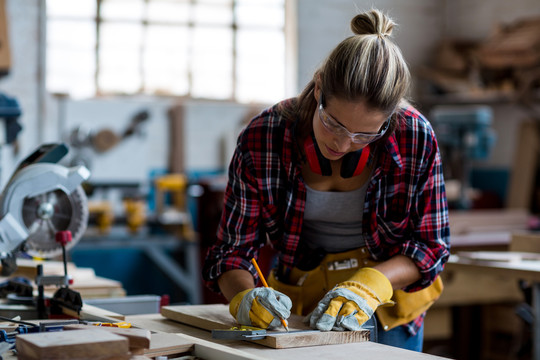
(254, 262)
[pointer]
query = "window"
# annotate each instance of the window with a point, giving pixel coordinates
(215, 49)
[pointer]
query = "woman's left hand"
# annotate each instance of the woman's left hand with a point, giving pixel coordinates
(351, 303)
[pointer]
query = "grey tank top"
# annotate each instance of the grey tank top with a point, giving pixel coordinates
(333, 220)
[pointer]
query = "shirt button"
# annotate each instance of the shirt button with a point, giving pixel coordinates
(363, 250)
(365, 262)
(385, 327)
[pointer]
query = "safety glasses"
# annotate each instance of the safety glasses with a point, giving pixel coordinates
(337, 129)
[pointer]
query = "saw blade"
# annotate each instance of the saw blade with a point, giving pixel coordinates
(46, 214)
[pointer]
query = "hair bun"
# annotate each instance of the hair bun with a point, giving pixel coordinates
(372, 22)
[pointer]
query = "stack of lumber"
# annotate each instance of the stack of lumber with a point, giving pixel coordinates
(513, 46)
(505, 64)
(85, 280)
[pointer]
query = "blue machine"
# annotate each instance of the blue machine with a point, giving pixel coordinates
(464, 134)
(10, 112)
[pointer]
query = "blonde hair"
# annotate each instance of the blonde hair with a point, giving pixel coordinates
(367, 66)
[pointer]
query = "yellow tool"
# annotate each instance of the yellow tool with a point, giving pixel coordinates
(121, 324)
(135, 214)
(104, 214)
(175, 184)
(176, 217)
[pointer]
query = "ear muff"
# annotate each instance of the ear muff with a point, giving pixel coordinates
(317, 162)
(352, 165)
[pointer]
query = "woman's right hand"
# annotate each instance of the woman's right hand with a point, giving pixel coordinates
(261, 307)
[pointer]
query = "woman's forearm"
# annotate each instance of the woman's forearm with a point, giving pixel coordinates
(234, 281)
(400, 270)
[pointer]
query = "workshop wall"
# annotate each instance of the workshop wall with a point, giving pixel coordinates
(210, 129)
(323, 24)
(476, 19)
(320, 25)
(22, 82)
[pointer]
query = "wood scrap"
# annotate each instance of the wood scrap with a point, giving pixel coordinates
(488, 220)
(162, 344)
(138, 338)
(523, 241)
(524, 166)
(75, 345)
(94, 313)
(504, 256)
(216, 316)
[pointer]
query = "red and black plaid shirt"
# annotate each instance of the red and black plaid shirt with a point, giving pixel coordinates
(405, 208)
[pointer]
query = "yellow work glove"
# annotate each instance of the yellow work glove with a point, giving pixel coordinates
(261, 307)
(351, 303)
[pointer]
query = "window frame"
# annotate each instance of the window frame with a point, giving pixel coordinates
(289, 61)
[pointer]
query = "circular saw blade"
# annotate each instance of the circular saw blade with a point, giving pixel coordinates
(46, 214)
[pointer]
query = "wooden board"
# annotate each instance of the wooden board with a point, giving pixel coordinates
(184, 346)
(162, 344)
(138, 338)
(217, 316)
(81, 344)
(504, 256)
(85, 280)
(488, 221)
(523, 241)
(524, 167)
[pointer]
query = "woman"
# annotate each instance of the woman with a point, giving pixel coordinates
(345, 182)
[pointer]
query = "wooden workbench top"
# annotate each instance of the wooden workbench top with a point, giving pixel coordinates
(369, 350)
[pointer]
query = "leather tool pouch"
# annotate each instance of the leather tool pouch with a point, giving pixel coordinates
(409, 305)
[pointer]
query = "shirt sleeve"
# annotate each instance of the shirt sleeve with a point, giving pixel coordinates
(238, 238)
(430, 244)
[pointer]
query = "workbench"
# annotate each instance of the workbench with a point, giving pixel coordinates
(171, 338)
(368, 350)
(514, 270)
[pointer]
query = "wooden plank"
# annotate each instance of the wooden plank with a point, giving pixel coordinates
(162, 344)
(94, 313)
(138, 338)
(527, 242)
(181, 344)
(525, 270)
(5, 55)
(488, 220)
(504, 256)
(83, 344)
(520, 193)
(216, 316)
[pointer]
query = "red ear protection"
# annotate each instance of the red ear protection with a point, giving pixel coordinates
(352, 165)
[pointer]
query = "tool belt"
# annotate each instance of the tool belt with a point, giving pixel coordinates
(307, 288)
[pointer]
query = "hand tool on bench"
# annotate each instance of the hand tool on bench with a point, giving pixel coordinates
(250, 333)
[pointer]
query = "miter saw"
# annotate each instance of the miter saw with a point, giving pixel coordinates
(41, 199)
